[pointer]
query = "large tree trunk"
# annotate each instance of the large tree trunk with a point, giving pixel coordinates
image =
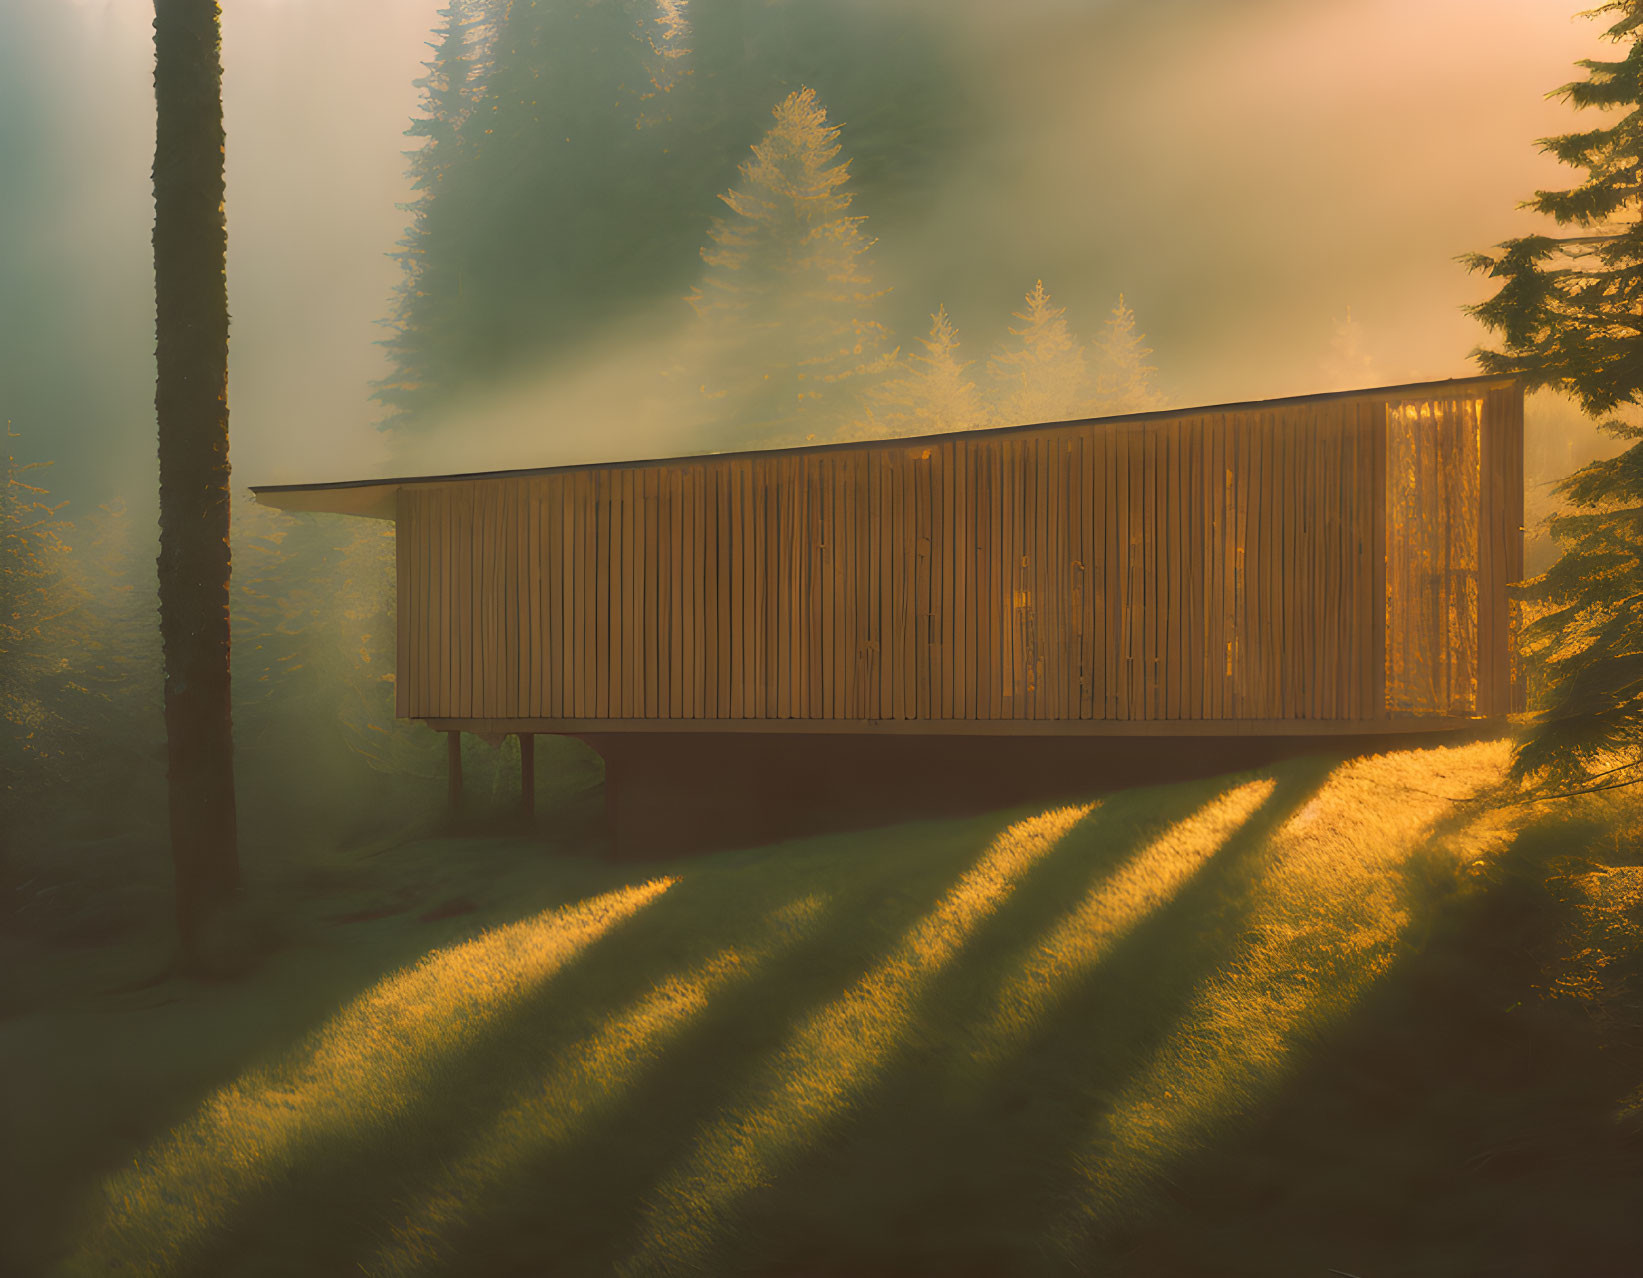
(191, 398)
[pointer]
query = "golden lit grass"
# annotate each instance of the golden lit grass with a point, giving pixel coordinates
(1325, 915)
(978, 1055)
(1040, 977)
(361, 1070)
(828, 1060)
(580, 1083)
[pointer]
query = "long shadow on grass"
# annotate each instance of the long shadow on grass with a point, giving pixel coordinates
(255, 1034)
(195, 1192)
(350, 1197)
(946, 1169)
(668, 1123)
(1459, 1121)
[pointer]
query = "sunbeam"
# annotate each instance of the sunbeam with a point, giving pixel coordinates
(586, 1079)
(1039, 980)
(360, 1071)
(828, 1061)
(1324, 922)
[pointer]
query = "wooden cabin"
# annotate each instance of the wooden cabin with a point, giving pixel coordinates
(1317, 565)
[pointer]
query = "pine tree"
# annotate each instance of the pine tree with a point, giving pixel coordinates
(930, 392)
(1349, 365)
(1569, 312)
(1043, 377)
(787, 300)
(420, 311)
(1124, 381)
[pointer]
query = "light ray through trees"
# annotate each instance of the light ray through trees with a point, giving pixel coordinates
(830, 1060)
(586, 1079)
(365, 1067)
(1042, 976)
(1327, 913)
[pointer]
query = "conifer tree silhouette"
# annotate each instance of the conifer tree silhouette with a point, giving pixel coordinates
(929, 393)
(787, 300)
(1042, 377)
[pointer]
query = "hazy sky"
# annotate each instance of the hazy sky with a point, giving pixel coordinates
(1243, 170)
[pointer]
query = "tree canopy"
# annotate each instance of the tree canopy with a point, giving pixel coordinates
(788, 295)
(1569, 315)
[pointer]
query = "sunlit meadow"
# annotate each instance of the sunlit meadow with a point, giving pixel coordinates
(992, 1045)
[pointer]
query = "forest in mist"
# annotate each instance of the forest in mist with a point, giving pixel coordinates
(501, 234)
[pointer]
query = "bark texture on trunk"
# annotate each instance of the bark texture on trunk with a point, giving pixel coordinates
(191, 401)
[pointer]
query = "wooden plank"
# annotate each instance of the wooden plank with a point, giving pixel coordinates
(536, 585)
(1036, 620)
(1243, 704)
(1076, 575)
(921, 583)
(733, 530)
(1269, 623)
(1118, 619)
(604, 482)
(1377, 562)
(411, 529)
(839, 553)
(1371, 609)
(1216, 599)
(477, 665)
(1093, 494)
(461, 622)
(1323, 473)
(442, 534)
(1004, 497)
(674, 484)
(438, 534)
(1138, 577)
(1280, 513)
(782, 576)
(982, 607)
(1283, 536)
(621, 595)
(581, 685)
(815, 630)
(558, 541)
(542, 495)
(1486, 519)
(402, 605)
(559, 545)
(716, 602)
(771, 501)
(989, 605)
(488, 565)
(1170, 666)
(947, 557)
(1518, 694)
(832, 622)
(1058, 650)
(752, 517)
(469, 621)
(522, 628)
(1193, 589)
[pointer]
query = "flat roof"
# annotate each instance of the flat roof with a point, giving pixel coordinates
(374, 498)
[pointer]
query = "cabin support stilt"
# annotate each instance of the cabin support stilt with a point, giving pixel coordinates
(453, 759)
(527, 774)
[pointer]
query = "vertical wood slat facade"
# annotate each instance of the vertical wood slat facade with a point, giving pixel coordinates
(1338, 560)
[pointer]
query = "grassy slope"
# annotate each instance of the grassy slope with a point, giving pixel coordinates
(1322, 1016)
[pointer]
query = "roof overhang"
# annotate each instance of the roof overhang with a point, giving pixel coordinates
(372, 498)
(378, 498)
